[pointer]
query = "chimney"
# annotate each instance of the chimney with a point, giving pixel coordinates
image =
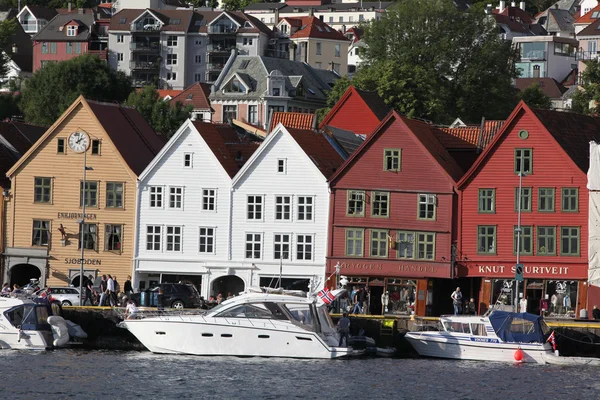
(81, 11)
(292, 51)
(276, 16)
(311, 12)
(70, 6)
(15, 48)
(522, 5)
(502, 6)
(513, 4)
(343, 28)
(488, 9)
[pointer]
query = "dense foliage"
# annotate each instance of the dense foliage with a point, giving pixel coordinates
(7, 28)
(587, 99)
(535, 97)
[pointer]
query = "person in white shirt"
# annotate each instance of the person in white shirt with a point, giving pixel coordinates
(110, 288)
(131, 309)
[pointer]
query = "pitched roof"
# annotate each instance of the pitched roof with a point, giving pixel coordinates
(55, 31)
(42, 12)
(348, 140)
(590, 16)
(196, 95)
(226, 145)
(293, 120)
(355, 33)
(559, 20)
(592, 29)
(471, 135)
(549, 86)
(515, 13)
(375, 103)
(312, 27)
(285, 8)
(20, 135)
(162, 93)
(318, 149)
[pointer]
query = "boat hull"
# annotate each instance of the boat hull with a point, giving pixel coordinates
(442, 345)
(27, 340)
(245, 338)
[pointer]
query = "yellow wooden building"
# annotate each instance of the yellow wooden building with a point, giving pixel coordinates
(44, 209)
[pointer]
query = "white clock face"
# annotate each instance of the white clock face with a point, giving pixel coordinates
(79, 141)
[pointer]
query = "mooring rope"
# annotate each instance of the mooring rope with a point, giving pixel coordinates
(575, 340)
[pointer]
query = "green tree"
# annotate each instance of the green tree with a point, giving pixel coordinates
(586, 100)
(163, 116)
(429, 60)
(236, 5)
(535, 97)
(7, 28)
(9, 106)
(53, 88)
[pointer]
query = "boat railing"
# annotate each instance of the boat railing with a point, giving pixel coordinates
(148, 313)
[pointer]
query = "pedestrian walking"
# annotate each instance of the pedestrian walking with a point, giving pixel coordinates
(102, 302)
(127, 288)
(110, 289)
(343, 326)
(456, 300)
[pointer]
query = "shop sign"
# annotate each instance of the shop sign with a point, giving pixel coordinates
(527, 270)
(418, 268)
(68, 215)
(86, 261)
(362, 266)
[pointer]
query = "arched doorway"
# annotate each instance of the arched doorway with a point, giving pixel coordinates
(75, 280)
(227, 284)
(21, 274)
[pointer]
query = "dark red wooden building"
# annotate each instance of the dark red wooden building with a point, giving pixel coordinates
(392, 226)
(551, 149)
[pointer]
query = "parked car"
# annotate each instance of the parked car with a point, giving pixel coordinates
(67, 296)
(176, 295)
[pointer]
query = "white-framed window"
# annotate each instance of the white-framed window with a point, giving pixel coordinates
(173, 238)
(119, 56)
(247, 41)
(304, 247)
(153, 237)
(187, 160)
(175, 197)
(209, 199)
(171, 59)
(197, 77)
(156, 196)
(253, 245)
(427, 203)
(172, 41)
(71, 30)
(305, 208)
(283, 205)
(119, 38)
(318, 48)
(253, 114)
(171, 76)
(206, 240)
(198, 59)
(281, 246)
(281, 166)
(337, 50)
(254, 208)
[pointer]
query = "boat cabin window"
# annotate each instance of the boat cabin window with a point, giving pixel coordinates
(301, 313)
(256, 310)
(457, 327)
(521, 326)
(325, 318)
(26, 316)
(478, 329)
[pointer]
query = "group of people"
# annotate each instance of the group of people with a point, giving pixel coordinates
(468, 308)
(109, 292)
(7, 291)
(212, 300)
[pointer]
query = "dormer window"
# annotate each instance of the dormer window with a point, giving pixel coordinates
(71, 30)
(247, 24)
(276, 91)
(234, 86)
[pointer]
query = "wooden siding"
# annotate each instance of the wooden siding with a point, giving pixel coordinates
(66, 171)
(355, 116)
(60, 55)
(552, 168)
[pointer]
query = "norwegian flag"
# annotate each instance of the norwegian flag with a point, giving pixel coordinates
(552, 340)
(326, 296)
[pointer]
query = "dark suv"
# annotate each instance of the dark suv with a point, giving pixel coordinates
(176, 295)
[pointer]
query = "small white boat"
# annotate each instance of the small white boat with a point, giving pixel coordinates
(556, 359)
(24, 325)
(497, 337)
(251, 324)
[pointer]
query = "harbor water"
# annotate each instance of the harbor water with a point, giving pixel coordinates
(83, 374)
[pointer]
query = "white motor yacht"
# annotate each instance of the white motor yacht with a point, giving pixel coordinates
(24, 325)
(251, 324)
(496, 337)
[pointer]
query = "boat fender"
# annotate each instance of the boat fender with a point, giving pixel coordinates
(60, 332)
(519, 355)
(75, 330)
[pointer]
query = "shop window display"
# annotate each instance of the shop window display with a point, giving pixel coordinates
(562, 298)
(503, 295)
(402, 294)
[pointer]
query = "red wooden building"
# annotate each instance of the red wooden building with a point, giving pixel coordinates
(551, 149)
(392, 226)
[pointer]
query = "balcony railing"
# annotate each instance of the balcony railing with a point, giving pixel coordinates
(144, 82)
(30, 27)
(534, 55)
(148, 47)
(587, 55)
(218, 48)
(134, 64)
(145, 28)
(215, 66)
(223, 30)
(533, 74)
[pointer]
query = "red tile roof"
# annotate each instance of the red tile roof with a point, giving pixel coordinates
(225, 144)
(162, 93)
(292, 120)
(318, 149)
(587, 17)
(471, 135)
(196, 95)
(515, 13)
(313, 27)
(357, 33)
(592, 29)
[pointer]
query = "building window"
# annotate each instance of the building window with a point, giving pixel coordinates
(281, 246)
(254, 207)
(187, 160)
(546, 199)
(171, 59)
(337, 50)
(304, 247)
(427, 203)
(380, 204)
(173, 238)
(71, 30)
(350, 18)
(379, 246)
(276, 91)
(156, 196)
(197, 77)
(119, 56)
(523, 161)
(119, 38)
(89, 236)
(175, 197)
(253, 114)
(198, 43)
(44, 47)
(305, 208)
(112, 237)
(198, 59)
(95, 147)
(330, 19)
(318, 65)
(41, 233)
(53, 48)
(355, 239)
(60, 146)
(69, 49)
(42, 191)
(90, 197)
(361, 17)
(569, 199)
(283, 206)
(229, 113)
(281, 166)
(426, 246)
(318, 48)
(406, 245)
(486, 240)
(114, 195)
(209, 198)
(569, 241)
(487, 200)
(172, 41)
(247, 41)
(77, 48)
(153, 237)
(341, 19)
(207, 240)
(526, 243)
(336, 67)
(253, 245)
(171, 76)
(392, 159)
(356, 203)
(546, 240)
(525, 199)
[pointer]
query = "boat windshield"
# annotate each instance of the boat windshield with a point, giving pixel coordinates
(301, 315)
(325, 318)
(265, 310)
(26, 317)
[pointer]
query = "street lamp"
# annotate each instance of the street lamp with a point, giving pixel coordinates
(82, 221)
(518, 230)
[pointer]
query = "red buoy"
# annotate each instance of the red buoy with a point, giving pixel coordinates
(518, 355)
